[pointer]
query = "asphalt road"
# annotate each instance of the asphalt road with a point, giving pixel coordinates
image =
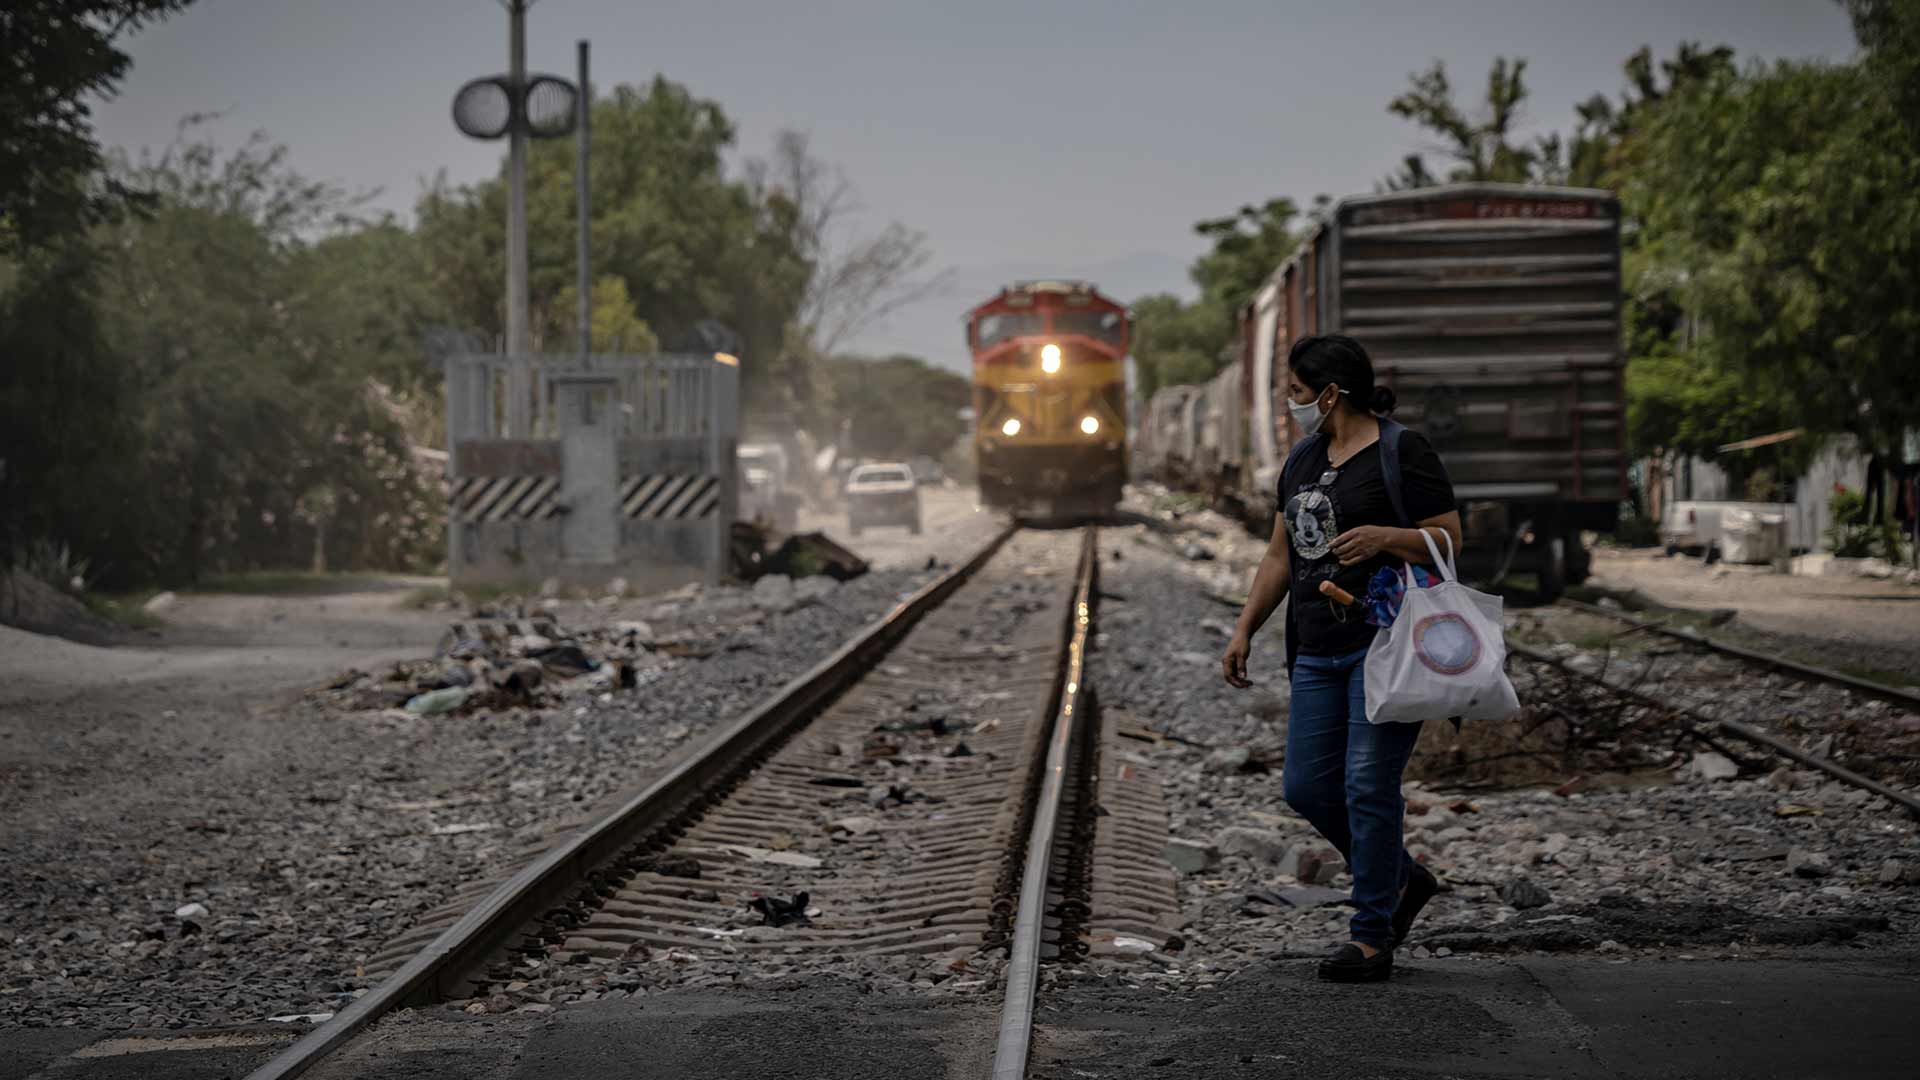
(1817, 1014)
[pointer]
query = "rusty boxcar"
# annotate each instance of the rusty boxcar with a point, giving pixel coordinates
(1493, 311)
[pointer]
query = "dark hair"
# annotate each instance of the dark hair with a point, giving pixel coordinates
(1324, 359)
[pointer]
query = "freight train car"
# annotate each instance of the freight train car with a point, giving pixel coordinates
(1049, 389)
(1493, 311)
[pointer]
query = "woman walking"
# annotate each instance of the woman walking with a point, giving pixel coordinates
(1355, 494)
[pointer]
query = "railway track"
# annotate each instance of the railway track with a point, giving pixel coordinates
(1705, 728)
(1894, 695)
(928, 789)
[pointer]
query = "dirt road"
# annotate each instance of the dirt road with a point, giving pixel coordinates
(1844, 622)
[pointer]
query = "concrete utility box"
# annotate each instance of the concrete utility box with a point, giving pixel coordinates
(589, 470)
(626, 469)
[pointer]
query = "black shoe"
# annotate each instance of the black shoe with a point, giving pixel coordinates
(1349, 965)
(1421, 887)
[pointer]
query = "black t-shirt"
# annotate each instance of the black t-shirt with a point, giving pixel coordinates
(1316, 514)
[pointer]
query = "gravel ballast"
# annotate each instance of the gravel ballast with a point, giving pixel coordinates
(1677, 854)
(156, 885)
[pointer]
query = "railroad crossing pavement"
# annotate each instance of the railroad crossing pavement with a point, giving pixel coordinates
(1844, 1013)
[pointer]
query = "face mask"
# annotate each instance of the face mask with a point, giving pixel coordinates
(1308, 416)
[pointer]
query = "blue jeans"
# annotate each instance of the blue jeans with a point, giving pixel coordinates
(1343, 775)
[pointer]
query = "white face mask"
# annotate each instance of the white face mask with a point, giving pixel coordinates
(1308, 416)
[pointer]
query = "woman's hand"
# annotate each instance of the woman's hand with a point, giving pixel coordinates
(1233, 663)
(1357, 545)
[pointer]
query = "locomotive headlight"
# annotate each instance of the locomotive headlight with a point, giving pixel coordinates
(1050, 358)
(1090, 424)
(1010, 428)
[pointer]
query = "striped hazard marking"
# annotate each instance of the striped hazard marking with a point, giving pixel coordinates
(501, 498)
(532, 498)
(669, 496)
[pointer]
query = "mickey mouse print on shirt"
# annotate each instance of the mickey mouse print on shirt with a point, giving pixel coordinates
(1310, 517)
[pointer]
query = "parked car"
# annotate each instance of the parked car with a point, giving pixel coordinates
(882, 495)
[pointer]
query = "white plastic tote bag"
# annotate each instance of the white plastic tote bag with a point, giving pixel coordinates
(1444, 656)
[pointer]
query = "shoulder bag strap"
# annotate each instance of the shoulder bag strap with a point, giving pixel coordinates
(1390, 433)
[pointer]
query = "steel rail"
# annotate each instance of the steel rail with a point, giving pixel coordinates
(1892, 694)
(1023, 962)
(439, 968)
(1734, 728)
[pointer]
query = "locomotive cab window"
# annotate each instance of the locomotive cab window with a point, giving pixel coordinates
(1105, 326)
(994, 329)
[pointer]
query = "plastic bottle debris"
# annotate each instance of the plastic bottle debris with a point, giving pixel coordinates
(435, 702)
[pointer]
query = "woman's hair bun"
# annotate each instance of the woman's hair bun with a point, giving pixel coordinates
(1383, 400)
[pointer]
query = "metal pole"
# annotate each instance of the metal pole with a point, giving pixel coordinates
(519, 375)
(585, 107)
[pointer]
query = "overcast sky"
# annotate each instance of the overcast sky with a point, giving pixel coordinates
(1024, 138)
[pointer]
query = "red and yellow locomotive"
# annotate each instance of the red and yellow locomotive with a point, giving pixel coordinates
(1049, 399)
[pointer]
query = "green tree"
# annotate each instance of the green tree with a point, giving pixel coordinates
(252, 378)
(55, 55)
(1486, 148)
(898, 407)
(1482, 147)
(690, 244)
(1889, 30)
(65, 401)
(1788, 225)
(614, 324)
(1176, 342)
(1247, 247)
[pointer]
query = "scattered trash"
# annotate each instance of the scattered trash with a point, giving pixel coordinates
(1127, 943)
(565, 659)
(434, 702)
(857, 826)
(301, 1018)
(768, 855)
(190, 911)
(807, 554)
(1708, 765)
(775, 911)
(160, 602)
